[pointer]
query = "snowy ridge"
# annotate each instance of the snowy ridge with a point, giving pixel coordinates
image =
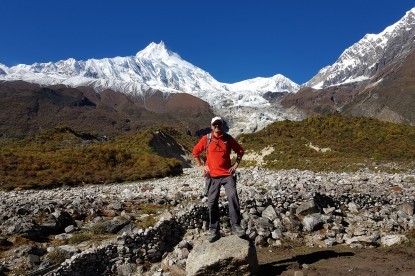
(277, 83)
(154, 67)
(3, 69)
(362, 60)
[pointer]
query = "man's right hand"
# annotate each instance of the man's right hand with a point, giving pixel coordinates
(204, 168)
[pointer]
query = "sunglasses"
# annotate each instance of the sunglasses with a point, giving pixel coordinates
(217, 124)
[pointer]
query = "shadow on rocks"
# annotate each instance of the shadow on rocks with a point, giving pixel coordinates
(3, 270)
(276, 268)
(172, 240)
(39, 233)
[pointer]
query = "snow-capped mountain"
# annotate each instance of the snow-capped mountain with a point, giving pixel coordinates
(374, 78)
(372, 53)
(154, 67)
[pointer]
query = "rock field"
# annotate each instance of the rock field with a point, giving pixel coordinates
(362, 209)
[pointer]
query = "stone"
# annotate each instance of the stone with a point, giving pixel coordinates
(306, 208)
(329, 210)
(33, 260)
(63, 220)
(68, 248)
(63, 236)
(183, 254)
(260, 240)
(227, 256)
(353, 207)
(112, 226)
(390, 240)
(291, 223)
(69, 229)
(269, 213)
(407, 208)
(276, 234)
(126, 269)
(312, 222)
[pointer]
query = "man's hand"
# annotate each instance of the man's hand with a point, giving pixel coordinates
(201, 165)
(233, 168)
(204, 168)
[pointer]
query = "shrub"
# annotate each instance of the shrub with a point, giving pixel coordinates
(60, 157)
(57, 256)
(80, 237)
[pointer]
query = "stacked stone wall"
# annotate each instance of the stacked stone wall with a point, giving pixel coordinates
(267, 220)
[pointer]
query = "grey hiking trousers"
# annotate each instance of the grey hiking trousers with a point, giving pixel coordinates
(233, 201)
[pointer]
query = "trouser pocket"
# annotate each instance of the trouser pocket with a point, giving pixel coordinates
(208, 181)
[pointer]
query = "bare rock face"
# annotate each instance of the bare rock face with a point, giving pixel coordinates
(228, 256)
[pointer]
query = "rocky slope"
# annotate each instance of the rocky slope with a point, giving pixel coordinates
(29, 108)
(363, 60)
(374, 77)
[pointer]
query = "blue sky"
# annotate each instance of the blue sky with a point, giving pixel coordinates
(233, 40)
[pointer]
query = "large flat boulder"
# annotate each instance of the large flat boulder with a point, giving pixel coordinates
(228, 256)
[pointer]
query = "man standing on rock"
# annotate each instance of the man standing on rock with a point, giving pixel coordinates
(218, 146)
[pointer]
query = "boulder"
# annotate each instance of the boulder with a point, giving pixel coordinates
(313, 222)
(112, 226)
(269, 213)
(228, 256)
(307, 208)
(32, 261)
(63, 220)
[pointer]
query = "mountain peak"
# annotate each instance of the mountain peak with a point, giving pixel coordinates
(368, 56)
(155, 51)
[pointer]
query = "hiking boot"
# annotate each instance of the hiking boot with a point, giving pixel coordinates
(237, 230)
(213, 235)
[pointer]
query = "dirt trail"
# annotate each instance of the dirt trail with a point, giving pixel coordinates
(337, 260)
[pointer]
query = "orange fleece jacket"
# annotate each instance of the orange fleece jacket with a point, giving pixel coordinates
(218, 154)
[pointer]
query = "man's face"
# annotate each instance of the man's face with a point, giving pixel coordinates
(217, 127)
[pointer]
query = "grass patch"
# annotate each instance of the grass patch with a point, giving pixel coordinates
(411, 238)
(148, 214)
(77, 238)
(354, 143)
(146, 222)
(92, 236)
(57, 256)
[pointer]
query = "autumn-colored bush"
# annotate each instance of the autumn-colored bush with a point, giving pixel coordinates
(63, 157)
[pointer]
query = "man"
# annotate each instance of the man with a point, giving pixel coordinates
(218, 166)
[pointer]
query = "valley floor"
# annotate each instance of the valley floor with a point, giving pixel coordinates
(23, 212)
